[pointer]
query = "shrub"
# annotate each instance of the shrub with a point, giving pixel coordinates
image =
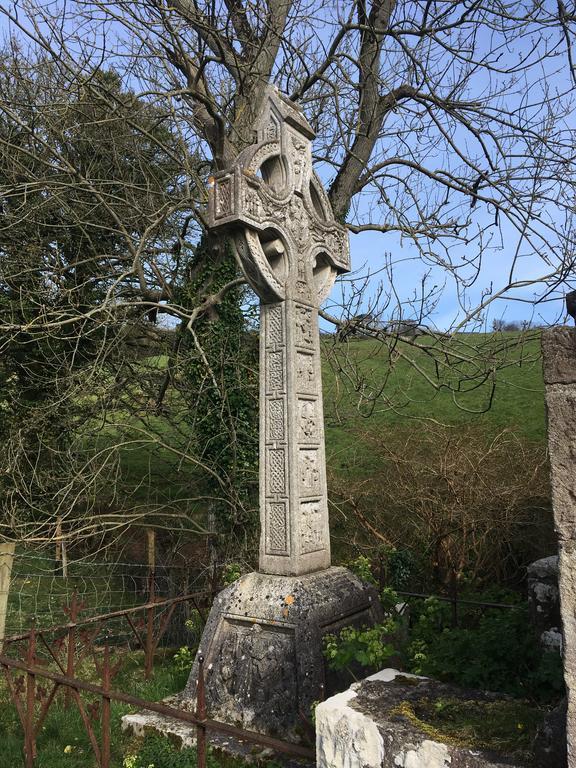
(492, 649)
(370, 648)
(498, 652)
(448, 505)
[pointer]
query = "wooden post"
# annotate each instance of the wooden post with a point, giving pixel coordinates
(61, 554)
(71, 649)
(58, 552)
(64, 559)
(149, 649)
(151, 537)
(454, 598)
(6, 562)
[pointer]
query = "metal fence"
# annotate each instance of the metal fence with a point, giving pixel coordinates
(54, 655)
(39, 589)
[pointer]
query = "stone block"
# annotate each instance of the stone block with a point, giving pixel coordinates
(561, 414)
(559, 355)
(366, 727)
(262, 646)
(550, 742)
(544, 598)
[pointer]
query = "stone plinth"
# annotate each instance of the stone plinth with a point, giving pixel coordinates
(262, 646)
(367, 727)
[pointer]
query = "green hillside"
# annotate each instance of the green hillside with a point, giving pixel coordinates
(491, 380)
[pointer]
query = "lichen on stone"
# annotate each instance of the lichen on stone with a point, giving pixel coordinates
(507, 727)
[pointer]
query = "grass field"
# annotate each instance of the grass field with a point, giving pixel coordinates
(493, 380)
(502, 389)
(487, 380)
(38, 592)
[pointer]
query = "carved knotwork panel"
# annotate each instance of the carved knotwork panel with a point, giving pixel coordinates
(277, 528)
(275, 372)
(274, 325)
(276, 471)
(276, 420)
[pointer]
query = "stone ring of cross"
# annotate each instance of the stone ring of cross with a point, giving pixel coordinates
(277, 212)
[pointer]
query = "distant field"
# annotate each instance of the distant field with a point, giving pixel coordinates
(494, 380)
(432, 384)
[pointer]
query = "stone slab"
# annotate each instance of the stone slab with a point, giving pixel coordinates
(363, 728)
(262, 647)
(544, 600)
(183, 735)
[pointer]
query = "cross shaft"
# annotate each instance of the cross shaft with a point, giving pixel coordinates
(282, 228)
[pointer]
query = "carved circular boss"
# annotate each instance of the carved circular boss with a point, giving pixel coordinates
(277, 212)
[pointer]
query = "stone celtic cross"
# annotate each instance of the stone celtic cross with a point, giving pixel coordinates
(277, 213)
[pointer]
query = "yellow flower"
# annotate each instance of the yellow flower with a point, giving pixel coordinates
(68, 749)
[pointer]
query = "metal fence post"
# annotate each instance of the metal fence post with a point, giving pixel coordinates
(71, 645)
(201, 715)
(149, 649)
(29, 736)
(106, 681)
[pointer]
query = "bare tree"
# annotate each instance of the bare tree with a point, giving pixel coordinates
(88, 172)
(442, 128)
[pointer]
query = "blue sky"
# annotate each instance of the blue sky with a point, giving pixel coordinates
(371, 251)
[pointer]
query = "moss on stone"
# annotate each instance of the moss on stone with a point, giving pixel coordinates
(507, 727)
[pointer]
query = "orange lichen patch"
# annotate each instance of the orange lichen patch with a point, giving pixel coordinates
(289, 599)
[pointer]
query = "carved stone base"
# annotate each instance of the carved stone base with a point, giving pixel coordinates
(262, 646)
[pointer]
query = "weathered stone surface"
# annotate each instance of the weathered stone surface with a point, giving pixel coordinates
(567, 585)
(544, 601)
(279, 218)
(544, 570)
(550, 742)
(263, 646)
(140, 724)
(561, 412)
(558, 348)
(183, 736)
(365, 728)
(559, 354)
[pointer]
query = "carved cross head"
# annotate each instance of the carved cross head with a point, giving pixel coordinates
(277, 212)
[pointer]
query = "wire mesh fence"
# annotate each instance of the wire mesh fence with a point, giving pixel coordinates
(39, 591)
